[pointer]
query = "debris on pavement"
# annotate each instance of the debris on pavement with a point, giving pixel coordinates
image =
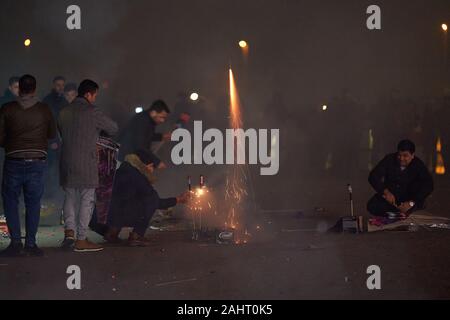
(440, 226)
(175, 282)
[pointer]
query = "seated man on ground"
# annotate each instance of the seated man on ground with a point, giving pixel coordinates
(134, 200)
(402, 183)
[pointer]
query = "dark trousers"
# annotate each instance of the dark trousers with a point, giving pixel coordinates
(137, 215)
(52, 176)
(143, 222)
(378, 206)
(28, 176)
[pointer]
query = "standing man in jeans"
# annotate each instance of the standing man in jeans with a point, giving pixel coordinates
(80, 125)
(26, 126)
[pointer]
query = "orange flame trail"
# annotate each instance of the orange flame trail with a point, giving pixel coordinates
(235, 106)
(236, 190)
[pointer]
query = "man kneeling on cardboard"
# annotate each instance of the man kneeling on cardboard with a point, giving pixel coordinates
(134, 200)
(402, 182)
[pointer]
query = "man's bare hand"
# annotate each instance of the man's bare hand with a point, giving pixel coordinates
(404, 207)
(54, 146)
(389, 197)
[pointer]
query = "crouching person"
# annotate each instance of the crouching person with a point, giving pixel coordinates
(134, 200)
(402, 183)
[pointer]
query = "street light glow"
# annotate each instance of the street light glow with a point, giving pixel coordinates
(139, 110)
(444, 27)
(27, 42)
(324, 107)
(243, 44)
(194, 96)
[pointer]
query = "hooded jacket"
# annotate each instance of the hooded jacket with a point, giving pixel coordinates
(26, 125)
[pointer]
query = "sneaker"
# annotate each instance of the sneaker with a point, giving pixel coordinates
(86, 246)
(69, 240)
(135, 240)
(13, 250)
(33, 251)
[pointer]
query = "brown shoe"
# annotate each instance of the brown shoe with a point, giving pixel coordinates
(69, 234)
(112, 235)
(135, 240)
(86, 246)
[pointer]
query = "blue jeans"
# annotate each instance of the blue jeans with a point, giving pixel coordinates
(28, 176)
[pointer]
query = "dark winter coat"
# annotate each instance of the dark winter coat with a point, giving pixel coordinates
(80, 125)
(139, 134)
(133, 196)
(412, 184)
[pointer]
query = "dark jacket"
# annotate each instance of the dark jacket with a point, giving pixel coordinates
(133, 196)
(7, 97)
(139, 134)
(56, 102)
(26, 125)
(413, 183)
(80, 125)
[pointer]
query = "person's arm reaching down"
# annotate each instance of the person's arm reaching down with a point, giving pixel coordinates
(105, 123)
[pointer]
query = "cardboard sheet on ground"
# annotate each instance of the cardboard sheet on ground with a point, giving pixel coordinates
(420, 218)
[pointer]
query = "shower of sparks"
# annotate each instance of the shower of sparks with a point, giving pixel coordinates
(236, 192)
(199, 199)
(236, 183)
(199, 205)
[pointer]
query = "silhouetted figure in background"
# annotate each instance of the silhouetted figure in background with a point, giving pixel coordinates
(56, 101)
(12, 92)
(141, 131)
(70, 92)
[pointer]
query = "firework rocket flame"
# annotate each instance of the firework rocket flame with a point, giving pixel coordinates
(236, 183)
(236, 191)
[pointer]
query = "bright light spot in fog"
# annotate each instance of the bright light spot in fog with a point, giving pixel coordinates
(324, 107)
(444, 27)
(243, 44)
(139, 110)
(194, 96)
(200, 192)
(27, 42)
